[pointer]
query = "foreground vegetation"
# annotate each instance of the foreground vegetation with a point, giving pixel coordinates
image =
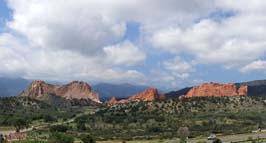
(203, 116)
(152, 121)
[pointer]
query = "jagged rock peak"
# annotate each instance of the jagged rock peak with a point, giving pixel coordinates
(72, 90)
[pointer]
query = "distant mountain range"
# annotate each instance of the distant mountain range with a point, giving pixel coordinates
(255, 88)
(12, 86)
(107, 90)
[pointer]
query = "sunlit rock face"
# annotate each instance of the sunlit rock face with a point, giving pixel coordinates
(150, 94)
(217, 89)
(73, 90)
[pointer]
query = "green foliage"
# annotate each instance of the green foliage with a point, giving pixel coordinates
(217, 141)
(80, 121)
(19, 123)
(183, 140)
(145, 120)
(183, 132)
(87, 139)
(57, 137)
(49, 118)
(58, 128)
(81, 126)
(162, 119)
(30, 110)
(29, 142)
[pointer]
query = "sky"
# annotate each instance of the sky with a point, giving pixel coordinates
(161, 43)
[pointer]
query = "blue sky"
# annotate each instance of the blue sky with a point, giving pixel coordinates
(5, 14)
(168, 45)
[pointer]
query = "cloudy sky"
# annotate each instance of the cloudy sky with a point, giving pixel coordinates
(162, 43)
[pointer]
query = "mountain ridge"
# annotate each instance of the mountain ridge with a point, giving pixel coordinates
(124, 90)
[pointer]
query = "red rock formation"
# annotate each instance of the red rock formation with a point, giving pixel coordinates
(111, 101)
(150, 94)
(73, 90)
(243, 90)
(217, 89)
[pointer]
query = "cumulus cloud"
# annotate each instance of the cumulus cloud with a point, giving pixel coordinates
(259, 65)
(73, 25)
(178, 67)
(76, 39)
(211, 42)
(231, 42)
(18, 58)
(125, 53)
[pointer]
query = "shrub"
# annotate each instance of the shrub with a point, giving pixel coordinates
(49, 118)
(217, 141)
(58, 128)
(87, 139)
(57, 137)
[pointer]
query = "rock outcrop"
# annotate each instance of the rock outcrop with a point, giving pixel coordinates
(243, 90)
(111, 101)
(217, 89)
(150, 94)
(74, 90)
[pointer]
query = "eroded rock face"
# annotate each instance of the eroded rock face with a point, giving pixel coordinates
(150, 94)
(217, 89)
(243, 90)
(111, 101)
(73, 90)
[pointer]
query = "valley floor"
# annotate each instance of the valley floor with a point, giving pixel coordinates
(225, 139)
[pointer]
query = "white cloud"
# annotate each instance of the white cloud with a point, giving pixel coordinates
(178, 65)
(245, 6)
(179, 68)
(231, 43)
(74, 39)
(259, 65)
(88, 26)
(74, 25)
(125, 53)
(18, 58)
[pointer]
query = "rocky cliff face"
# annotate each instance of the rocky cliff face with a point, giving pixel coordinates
(217, 89)
(150, 94)
(74, 90)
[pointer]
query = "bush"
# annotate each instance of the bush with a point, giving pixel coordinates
(87, 139)
(58, 128)
(81, 126)
(49, 118)
(57, 137)
(217, 141)
(19, 123)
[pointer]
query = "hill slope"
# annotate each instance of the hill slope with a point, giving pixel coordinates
(161, 119)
